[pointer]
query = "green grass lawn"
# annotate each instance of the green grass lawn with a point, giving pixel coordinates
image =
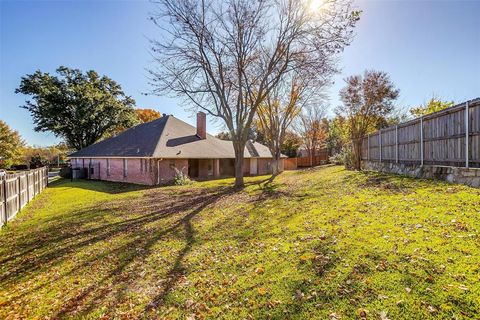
(323, 243)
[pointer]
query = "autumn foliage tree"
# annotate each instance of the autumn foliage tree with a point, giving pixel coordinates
(276, 114)
(367, 101)
(226, 57)
(11, 145)
(310, 126)
(291, 143)
(147, 115)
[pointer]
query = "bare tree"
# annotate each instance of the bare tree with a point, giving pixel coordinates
(225, 57)
(284, 103)
(310, 127)
(367, 101)
(275, 115)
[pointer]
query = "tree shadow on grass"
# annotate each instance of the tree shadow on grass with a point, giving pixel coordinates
(384, 181)
(99, 186)
(146, 220)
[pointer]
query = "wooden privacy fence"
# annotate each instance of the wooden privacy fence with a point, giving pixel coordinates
(290, 164)
(448, 137)
(16, 190)
(319, 159)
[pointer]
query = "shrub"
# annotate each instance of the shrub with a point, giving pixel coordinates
(180, 178)
(345, 157)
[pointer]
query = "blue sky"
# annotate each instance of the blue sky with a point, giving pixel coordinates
(426, 46)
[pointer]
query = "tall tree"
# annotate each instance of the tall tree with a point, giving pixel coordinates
(225, 57)
(11, 144)
(79, 107)
(367, 101)
(433, 105)
(337, 135)
(311, 128)
(276, 114)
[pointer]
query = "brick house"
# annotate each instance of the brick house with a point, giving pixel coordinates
(150, 152)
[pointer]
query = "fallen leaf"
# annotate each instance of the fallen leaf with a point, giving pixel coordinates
(259, 270)
(362, 313)
(304, 258)
(299, 295)
(262, 291)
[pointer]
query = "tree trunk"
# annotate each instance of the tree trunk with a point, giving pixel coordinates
(357, 153)
(311, 156)
(276, 164)
(239, 148)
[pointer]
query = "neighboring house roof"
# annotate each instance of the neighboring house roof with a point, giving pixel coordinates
(167, 137)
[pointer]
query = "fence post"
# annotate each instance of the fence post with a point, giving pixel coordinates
(421, 141)
(34, 184)
(380, 143)
(28, 187)
(19, 193)
(467, 134)
(368, 147)
(5, 197)
(396, 143)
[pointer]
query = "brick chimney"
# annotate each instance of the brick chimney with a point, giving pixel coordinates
(201, 125)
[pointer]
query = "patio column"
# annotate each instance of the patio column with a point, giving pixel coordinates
(216, 168)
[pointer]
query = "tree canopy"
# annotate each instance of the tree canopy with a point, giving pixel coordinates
(277, 113)
(147, 115)
(433, 105)
(10, 144)
(79, 107)
(367, 101)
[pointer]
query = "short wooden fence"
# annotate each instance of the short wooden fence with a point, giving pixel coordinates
(290, 164)
(450, 137)
(317, 160)
(17, 189)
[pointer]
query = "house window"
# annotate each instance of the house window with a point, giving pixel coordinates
(172, 164)
(125, 168)
(151, 165)
(108, 167)
(91, 171)
(141, 165)
(83, 163)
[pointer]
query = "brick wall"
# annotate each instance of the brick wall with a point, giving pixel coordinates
(203, 165)
(167, 173)
(140, 171)
(145, 171)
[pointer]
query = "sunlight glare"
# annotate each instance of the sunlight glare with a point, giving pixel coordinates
(315, 5)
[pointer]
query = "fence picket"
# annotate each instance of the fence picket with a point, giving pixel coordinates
(16, 190)
(449, 137)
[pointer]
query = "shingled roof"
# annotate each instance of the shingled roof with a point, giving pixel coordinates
(167, 137)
